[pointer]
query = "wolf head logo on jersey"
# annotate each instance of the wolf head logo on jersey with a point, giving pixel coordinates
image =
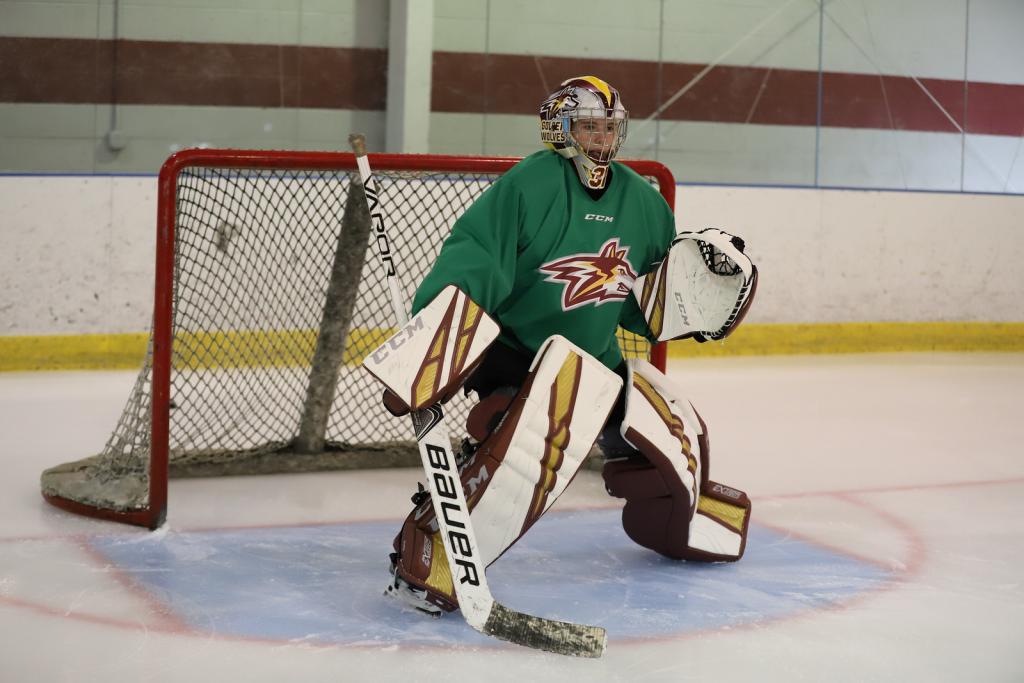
(593, 278)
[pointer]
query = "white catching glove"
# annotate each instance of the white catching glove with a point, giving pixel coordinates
(702, 289)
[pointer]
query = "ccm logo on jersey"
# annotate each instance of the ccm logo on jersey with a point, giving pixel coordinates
(598, 217)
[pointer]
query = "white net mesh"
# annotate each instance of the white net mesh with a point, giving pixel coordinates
(253, 258)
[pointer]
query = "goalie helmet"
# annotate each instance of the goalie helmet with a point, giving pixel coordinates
(585, 121)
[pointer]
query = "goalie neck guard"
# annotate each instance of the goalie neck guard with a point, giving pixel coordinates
(585, 121)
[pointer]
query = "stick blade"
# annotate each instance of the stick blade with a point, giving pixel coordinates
(560, 637)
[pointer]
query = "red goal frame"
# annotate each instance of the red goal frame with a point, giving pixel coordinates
(153, 516)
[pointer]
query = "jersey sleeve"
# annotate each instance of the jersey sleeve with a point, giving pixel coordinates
(632, 318)
(479, 257)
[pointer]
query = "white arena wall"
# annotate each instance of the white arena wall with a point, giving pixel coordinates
(78, 253)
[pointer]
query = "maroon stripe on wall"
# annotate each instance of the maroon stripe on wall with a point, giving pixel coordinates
(995, 108)
(46, 70)
(56, 70)
(214, 74)
(516, 84)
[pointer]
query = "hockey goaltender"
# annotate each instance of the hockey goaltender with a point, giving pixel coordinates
(522, 306)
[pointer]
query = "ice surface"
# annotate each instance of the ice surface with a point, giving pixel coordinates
(887, 545)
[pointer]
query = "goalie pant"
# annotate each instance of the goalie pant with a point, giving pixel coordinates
(522, 466)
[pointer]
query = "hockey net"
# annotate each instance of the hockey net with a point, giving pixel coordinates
(265, 304)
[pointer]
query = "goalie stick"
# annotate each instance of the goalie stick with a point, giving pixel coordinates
(479, 608)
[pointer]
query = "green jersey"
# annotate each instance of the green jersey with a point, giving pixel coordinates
(543, 257)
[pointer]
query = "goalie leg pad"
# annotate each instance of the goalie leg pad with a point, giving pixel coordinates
(671, 506)
(520, 469)
(657, 512)
(718, 530)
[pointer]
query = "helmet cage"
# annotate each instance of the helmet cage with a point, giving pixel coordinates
(586, 130)
(575, 122)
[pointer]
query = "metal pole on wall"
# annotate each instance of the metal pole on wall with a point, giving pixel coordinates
(114, 139)
(410, 60)
(821, 82)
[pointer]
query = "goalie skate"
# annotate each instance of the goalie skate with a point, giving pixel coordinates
(401, 590)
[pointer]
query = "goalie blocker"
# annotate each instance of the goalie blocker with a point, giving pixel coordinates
(428, 360)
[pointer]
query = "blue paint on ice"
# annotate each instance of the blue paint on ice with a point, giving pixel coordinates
(324, 584)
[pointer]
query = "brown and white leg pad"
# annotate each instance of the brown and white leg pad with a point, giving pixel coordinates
(671, 506)
(519, 471)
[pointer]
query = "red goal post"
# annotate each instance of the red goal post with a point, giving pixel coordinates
(264, 304)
